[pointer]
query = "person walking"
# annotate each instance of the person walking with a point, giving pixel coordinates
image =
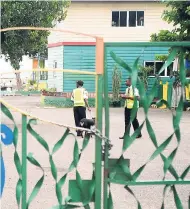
(80, 99)
(129, 102)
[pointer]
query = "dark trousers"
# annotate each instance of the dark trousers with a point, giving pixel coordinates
(135, 122)
(79, 114)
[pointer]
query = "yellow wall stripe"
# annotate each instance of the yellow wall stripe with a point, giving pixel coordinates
(187, 92)
(165, 94)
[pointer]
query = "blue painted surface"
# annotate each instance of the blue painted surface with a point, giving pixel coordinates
(2, 175)
(187, 64)
(79, 58)
(7, 139)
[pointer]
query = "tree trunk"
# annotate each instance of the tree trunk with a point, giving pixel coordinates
(18, 81)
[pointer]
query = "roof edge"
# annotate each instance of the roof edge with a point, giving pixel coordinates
(71, 44)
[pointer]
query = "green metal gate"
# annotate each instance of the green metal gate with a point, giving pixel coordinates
(116, 171)
(83, 191)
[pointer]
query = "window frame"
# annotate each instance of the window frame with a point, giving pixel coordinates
(127, 25)
(43, 75)
(54, 67)
(112, 19)
(119, 18)
(135, 21)
(126, 19)
(139, 26)
(165, 70)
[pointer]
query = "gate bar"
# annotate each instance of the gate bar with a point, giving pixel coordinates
(146, 183)
(150, 44)
(107, 121)
(99, 109)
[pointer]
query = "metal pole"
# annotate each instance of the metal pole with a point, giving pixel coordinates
(38, 73)
(24, 161)
(98, 146)
(106, 103)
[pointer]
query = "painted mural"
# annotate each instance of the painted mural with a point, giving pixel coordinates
(7, 139)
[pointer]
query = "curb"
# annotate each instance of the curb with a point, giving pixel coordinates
(46, 107)
(6, 95)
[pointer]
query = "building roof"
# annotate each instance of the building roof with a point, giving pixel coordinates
(115, 0)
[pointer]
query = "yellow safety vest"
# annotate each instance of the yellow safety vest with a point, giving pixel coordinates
(78, 95)
(129, 102)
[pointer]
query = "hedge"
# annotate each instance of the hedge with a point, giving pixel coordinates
(62, 102)
(26, 93)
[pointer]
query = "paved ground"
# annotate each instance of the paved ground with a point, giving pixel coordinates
(150, 197)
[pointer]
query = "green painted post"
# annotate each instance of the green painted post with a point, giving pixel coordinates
(98, 146)
(99, 108)
(106, 105)
(24, 161)
(170, 87)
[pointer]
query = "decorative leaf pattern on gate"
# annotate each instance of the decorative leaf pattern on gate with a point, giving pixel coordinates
(59, 183)
(128, 141)
(146, 101)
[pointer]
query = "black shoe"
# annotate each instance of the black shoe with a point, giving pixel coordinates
(121, 137)
(139, 136)
(79, 133)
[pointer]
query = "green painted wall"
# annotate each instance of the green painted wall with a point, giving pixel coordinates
(83, 58)
(129, 54)
(79, 58)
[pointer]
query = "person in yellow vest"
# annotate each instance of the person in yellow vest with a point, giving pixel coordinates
(129, 102)
(80, 99)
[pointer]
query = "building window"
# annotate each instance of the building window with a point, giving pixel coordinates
(43, 75)
(150, 64)
(140, 18)
(132, 19)
(54, 67)
(115, 19)
(54, 64)
(127, 18)
(123, 19)
(156, 66)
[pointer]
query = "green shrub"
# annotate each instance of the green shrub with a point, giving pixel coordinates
(32, 82)
(116, 84)
(144, 74)
(61, 102)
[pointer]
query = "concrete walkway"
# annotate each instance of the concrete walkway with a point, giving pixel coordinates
(150, 197)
